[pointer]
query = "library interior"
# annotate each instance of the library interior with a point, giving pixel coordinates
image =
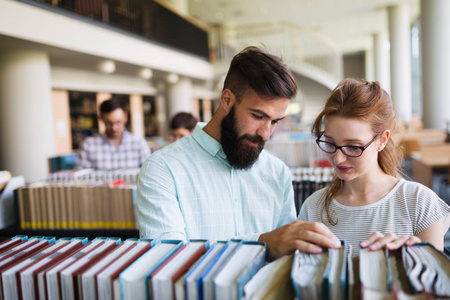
(160, 58)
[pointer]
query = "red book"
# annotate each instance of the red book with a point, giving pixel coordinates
(5, 245)
(29, 276)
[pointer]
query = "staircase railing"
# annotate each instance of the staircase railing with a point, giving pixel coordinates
(296, 44)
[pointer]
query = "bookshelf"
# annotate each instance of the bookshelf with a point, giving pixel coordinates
(83, 116)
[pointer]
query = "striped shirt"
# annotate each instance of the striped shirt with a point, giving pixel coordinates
(188, 190)
(406, 210)
(98, 152)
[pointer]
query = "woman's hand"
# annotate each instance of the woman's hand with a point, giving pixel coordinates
(391, 241)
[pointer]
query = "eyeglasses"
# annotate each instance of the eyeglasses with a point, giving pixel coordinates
(348, 150)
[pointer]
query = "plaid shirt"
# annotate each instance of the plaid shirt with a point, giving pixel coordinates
(99, 153)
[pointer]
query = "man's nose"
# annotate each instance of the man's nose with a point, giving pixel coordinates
(266, 130)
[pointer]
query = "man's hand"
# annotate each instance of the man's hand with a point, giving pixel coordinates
(306, 236)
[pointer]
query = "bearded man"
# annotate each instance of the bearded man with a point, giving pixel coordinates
(219, 183)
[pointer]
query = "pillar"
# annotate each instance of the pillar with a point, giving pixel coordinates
(435, 39)
(179, 97)
(26, 119)
(381, 58)
(400, 41)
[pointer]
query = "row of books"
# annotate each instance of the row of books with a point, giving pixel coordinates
(128, 175)
(108, 268)
(77, 204)
(307, 180)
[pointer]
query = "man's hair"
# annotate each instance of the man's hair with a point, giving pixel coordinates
(183, 120)
(262, 72)
(110, 105)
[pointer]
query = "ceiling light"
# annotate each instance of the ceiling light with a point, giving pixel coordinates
(107, 66)
(172, 78)
(146, 73)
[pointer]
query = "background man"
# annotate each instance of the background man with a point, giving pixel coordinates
(117, 148)
(218, 183)
(181, 125)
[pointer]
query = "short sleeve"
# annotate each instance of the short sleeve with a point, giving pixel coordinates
(429, 209)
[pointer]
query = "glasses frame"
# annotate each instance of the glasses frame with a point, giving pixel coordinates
(336, 147)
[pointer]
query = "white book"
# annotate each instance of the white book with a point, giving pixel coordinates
(108, 279)
(67, 276)
(163, 280)
(51, 275)
(226, 282)
(134, 281)
(9, 276)
(27, 280)
(88, 278)
(191, 277)
(209, 274)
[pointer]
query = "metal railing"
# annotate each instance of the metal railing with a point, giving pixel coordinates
(296, 44)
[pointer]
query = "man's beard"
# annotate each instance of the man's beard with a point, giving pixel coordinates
(239, 153)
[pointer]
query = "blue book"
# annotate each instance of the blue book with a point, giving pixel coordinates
(192, 287)
(205, 279)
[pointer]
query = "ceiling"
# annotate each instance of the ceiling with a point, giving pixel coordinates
(349, 23)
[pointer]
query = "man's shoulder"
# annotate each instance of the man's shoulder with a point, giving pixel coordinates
(93, 140)
(178, 150)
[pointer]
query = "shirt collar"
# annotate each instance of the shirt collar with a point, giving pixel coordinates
(125, 137)
(207, 142)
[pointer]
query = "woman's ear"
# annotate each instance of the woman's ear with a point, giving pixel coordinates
(227, 100)
(384, 138)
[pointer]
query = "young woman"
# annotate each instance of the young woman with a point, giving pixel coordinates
(367, 203)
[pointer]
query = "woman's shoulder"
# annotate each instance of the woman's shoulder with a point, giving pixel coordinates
(315, 197)
(414, 189)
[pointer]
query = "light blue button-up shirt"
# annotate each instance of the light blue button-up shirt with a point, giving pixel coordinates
(188, 190)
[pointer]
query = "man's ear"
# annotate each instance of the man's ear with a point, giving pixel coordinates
(227, 100)
(125, 116)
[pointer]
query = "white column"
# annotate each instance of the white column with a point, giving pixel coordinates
(381, 57)
(26, 121)
(369, 65)
(179, 97)
(400, 40)
(435, 39)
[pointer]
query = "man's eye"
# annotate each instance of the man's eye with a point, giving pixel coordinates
(257, 117)
(275, 122)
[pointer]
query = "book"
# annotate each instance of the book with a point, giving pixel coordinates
(108, 285)
(335, 274)
(273, 281)
(11, 280)
(307, 274)
(191, 278)
(205, 279)
(69, 277)
(52, 275)
(88, 280)
(244, 262)
(135, 280)
(374, 274)
(165, 276)
(7, 218)
(431, 270)
(9, 243)
(31, 278)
